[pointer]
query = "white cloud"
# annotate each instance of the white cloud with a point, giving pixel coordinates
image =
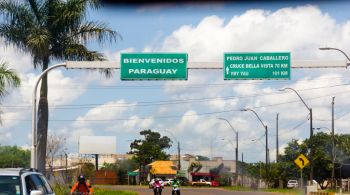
(105, 112)
(16, 59)
(60, 84)
(300, 30)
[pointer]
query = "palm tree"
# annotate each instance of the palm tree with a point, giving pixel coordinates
(52, 30)
(8, 78)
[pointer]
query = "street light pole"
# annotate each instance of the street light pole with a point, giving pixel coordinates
(266, 146)
(236, 150)
(33, 151)
(333, 143)
(178, 150)
(311, 133)
(277, 144)
(332, 48)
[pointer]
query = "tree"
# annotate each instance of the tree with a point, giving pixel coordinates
(55, 144)
(202, 158)
(150, 149)
(51, 30)
(8, 78)
(13, 156)
(121, 167)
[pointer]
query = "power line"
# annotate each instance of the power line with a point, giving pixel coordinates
(187, 115)
(164, 102)
(277, 82)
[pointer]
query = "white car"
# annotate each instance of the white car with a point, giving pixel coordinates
(23, 182)
(292, 184)
(168, 182)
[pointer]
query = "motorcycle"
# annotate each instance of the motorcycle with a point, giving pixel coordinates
(157, 190)
(176, 190)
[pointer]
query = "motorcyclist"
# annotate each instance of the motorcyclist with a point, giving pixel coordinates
(157, 184)
(81, 186)
(175, 184)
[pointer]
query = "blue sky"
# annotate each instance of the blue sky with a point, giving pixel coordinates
(85, 103)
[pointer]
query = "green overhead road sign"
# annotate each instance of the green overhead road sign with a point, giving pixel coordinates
(153, 66)
(257, 66)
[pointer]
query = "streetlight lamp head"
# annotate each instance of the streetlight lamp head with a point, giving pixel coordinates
(324, 48)
(282, 89)
(244, 109)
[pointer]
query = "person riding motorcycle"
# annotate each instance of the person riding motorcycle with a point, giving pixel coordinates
(81, 186)
(157, 185)
(175, 185)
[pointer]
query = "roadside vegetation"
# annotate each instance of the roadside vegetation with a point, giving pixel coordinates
(64, 190)
(276, 190)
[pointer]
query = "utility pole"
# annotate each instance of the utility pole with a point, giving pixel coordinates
(242, 167)
(311, 149)
(311, 133)
(277, 147)
(179, 156)
(267, 156)
(333, 144)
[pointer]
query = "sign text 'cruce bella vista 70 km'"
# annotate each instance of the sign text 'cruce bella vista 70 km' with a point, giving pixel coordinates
(153, 66)
(257, 65)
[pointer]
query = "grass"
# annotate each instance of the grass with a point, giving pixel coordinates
(276, 190)
(113, 192)
(64, 190)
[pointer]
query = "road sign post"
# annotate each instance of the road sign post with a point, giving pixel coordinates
(301, 161)
(256, 66)
(153, 66)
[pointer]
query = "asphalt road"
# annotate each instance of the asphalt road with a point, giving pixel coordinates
(187, 191)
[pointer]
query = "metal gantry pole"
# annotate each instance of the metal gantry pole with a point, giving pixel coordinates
(33, 151)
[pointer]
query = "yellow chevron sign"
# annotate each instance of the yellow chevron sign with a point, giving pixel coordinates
(301, 161)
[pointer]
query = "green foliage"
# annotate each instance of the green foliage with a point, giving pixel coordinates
(151, 148)
(225, 179)
(52, 30)
(64, 190)
(121, 167)
(98, 191)
(13, 156)
(342, 150)
(194, 167)
(202, 158)
(8, 78)
(88, 170)
(61, 189)
(286, 169)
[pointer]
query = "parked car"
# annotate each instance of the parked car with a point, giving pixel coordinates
(201, 182)
(292, 184)
(168, 182)
(24, 182)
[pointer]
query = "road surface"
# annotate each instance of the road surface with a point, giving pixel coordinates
(144, 190)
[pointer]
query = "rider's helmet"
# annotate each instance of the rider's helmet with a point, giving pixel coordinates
(175, 178)
(81, 178)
